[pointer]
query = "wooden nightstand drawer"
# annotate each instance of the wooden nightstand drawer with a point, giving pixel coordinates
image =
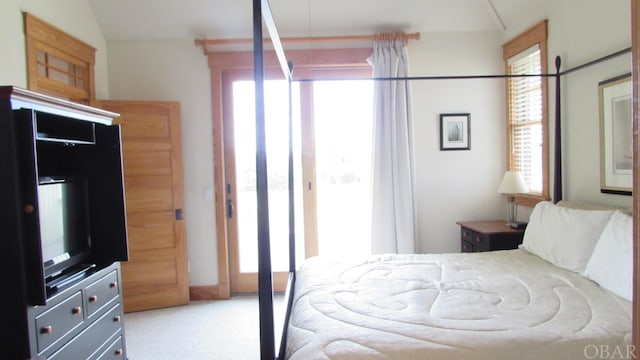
(480, 241)
(467, 246)
(476, 236)
(473, 241)
(466, 234)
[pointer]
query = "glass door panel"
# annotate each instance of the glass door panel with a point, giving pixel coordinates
(343, 118)
(245, 204)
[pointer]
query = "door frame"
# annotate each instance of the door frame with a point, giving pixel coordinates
(635, 69)
(219, 63)
(239, 282)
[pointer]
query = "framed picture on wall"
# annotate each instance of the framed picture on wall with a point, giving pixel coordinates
(616, 142)
(455, 131)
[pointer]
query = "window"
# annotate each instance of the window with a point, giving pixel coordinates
(527, 124)
(58, 64)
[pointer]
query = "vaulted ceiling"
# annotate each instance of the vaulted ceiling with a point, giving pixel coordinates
(126, 20)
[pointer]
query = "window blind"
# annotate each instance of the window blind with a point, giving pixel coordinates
(525, 117)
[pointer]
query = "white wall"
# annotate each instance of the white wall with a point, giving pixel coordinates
(14, 68)
(178, 71)
(74, 17)
(597, 29)
(457, 185)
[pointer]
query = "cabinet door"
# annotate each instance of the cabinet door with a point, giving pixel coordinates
(28, 184)
(156, 274)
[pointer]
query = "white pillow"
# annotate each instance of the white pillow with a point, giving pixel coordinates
(564, 236)
(611, 264)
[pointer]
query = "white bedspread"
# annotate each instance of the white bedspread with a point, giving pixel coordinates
(494, 305)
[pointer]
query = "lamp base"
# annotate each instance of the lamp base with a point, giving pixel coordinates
(517, 225)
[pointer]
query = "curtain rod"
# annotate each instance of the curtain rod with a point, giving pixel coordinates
(395, 35)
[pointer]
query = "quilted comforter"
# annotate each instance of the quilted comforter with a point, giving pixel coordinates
(494, 305)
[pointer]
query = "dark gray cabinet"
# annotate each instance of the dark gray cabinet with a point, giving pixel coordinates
(84, 321)
(62, 212)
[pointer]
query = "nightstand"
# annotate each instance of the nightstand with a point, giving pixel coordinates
(477, 236)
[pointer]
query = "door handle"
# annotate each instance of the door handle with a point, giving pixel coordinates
(229, 208)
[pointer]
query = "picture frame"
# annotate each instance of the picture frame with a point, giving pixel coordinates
(455, 131)
(616, 142)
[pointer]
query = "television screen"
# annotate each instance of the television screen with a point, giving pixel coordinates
(64, 227)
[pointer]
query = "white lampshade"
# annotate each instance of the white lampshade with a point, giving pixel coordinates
(512, 183)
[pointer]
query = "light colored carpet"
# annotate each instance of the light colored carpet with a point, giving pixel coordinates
(218, 329)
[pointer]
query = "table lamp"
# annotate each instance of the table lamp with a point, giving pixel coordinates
(512, 183)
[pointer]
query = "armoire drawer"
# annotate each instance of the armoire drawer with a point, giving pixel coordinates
(115, 351)
(54, 323)
(93, 337)
(102, 292)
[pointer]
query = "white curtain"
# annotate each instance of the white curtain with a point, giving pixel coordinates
(393, 202)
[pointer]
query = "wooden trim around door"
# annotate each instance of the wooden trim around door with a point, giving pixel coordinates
(224, 285)
(635, 69)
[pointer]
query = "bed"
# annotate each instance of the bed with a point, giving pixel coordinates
(564, 294)
(510, 304)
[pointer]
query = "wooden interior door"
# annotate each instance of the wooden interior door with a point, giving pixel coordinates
(156, 274)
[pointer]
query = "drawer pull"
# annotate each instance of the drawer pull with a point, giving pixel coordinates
(119, 352)
(117, 318)
(465, 234)
(113, 284)
(76, 310)
(93, 298)
(46, 329)
(478, 239)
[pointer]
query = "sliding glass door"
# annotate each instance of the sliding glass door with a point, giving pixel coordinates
(333, 120)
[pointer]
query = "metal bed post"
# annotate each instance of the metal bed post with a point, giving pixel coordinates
(265, 281)
(288, 296)
(557, 169)
(262, 12)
